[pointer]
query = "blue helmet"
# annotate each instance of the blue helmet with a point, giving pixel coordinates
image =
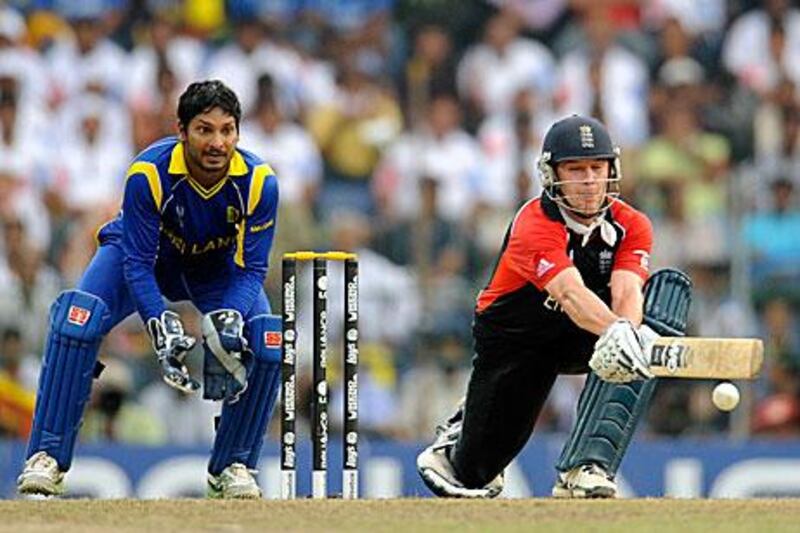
(574, 138)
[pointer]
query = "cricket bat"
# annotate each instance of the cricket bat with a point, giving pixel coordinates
(706, 358)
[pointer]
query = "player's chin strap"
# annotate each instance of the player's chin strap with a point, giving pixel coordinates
(608, 413)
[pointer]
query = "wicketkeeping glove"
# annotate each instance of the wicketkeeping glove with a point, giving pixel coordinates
(618, 354)
(171, 345)
(227, 358)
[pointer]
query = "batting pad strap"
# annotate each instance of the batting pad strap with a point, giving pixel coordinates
(608, 414)
(242, 424)
(77, 323)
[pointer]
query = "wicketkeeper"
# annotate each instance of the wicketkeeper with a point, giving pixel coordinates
(197, 223)
(569, 294)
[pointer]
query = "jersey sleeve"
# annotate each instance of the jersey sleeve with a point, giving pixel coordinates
(537, 247)
(633, 253)
(254, 241)
(141, 224)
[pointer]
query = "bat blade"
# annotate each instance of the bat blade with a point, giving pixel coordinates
(706, 358)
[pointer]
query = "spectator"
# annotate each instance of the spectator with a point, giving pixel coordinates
(19, 364)
(436, 383)
(604, 80)
(772, 239)
(162, 66)
(441, 150)
(294, 156)
(241, 62)
(21, 63)
(363, 118)
(515, 64)
(776, 131)
(187, 419)
(87, 60)
(97, 141)
(114, 415)
(27, 287)
(694, 164)
(763, 45)
(23, 165)
(510, 144)
(430, 70)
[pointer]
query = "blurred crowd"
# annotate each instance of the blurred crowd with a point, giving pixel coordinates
(407, 130)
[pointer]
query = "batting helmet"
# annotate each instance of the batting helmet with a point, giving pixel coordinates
(574, 138)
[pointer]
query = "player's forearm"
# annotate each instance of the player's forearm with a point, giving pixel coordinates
(587, 310)
(627, 299)
(629, 306)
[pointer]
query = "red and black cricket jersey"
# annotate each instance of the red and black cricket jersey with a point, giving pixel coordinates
(537, 246)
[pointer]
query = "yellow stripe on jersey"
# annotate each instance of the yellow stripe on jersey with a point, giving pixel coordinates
(151, 173)
(238, 257)
(177, 164)
(204, 193)
(260, 173)
(237, 167)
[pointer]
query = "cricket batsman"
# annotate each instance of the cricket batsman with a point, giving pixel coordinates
(569, 294)
(197, 223)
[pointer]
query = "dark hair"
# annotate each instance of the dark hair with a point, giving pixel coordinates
(11, 333)
(201, 96)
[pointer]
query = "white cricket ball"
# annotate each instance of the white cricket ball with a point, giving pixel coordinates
(725, 396)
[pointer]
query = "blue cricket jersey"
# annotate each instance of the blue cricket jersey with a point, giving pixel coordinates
(174, 232)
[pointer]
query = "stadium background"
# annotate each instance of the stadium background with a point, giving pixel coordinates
(407, 130)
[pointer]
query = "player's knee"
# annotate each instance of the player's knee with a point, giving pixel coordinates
(265, 337)
(78, 315)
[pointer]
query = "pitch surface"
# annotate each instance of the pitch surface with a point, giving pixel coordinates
(66, 516)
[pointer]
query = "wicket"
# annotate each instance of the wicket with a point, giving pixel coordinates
(319, 406)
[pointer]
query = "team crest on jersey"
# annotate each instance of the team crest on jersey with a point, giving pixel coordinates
(273, 339)
(606, 258)
(587, 136)
(78, 315)
(233, 215)
(544, 267)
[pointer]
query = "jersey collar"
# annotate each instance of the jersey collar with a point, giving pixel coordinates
(607, 231)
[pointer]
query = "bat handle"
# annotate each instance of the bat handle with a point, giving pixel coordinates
(648, 339)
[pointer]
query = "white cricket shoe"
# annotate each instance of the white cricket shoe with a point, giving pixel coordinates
(436, 470)
(585, 481)
(41, 476)
(235, 482)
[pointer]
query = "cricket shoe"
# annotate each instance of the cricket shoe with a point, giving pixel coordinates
(436, 470)
(235, 482)
(41, 476)
(585, 481)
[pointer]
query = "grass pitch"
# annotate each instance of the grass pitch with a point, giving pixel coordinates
(161, 516)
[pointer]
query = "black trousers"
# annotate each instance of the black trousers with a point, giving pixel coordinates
(508, 387)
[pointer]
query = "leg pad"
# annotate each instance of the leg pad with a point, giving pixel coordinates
(241, 426)
(608, 413)
(77, 322)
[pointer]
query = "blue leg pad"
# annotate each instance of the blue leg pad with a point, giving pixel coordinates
(608, 413)
(607, 417)
(77, 322)
(241, 428)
